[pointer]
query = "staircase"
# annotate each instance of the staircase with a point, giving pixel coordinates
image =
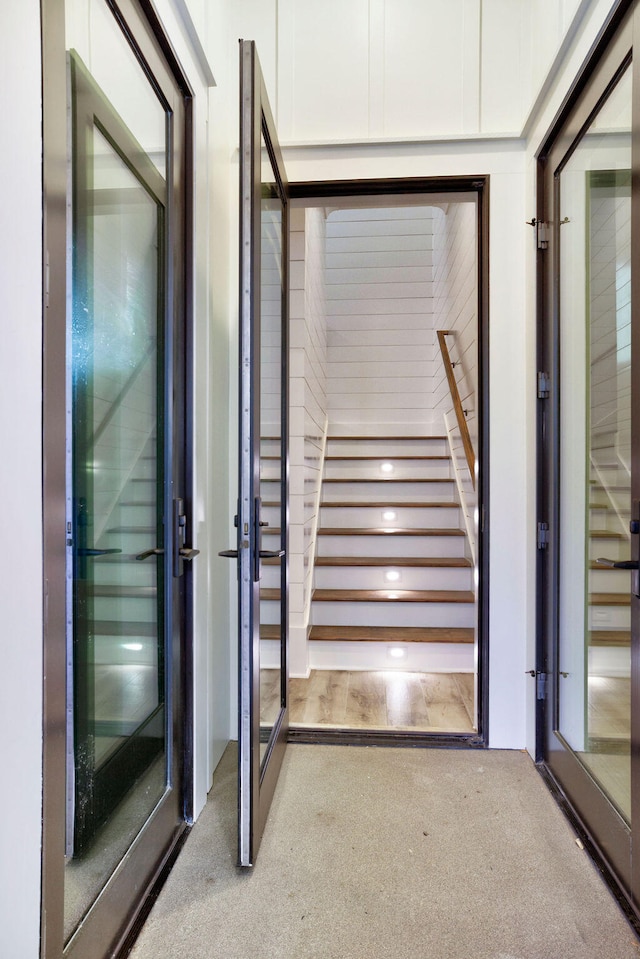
(392, 560)
(124, 597)
(609, 589)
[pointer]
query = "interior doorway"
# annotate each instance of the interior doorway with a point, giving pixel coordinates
(387, 463)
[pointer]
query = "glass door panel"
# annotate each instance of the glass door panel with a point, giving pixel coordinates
(116, 689)
(272, 451)
(594, 191)
(262, 519)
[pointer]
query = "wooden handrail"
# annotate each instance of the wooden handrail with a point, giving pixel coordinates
(457, 406)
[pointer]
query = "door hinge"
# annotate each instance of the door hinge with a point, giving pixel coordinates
(542, 235)
(544, 385)
(543, 535)
(541, 685)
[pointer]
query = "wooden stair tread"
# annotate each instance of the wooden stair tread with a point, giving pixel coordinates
(385, 531)
(417, 561)
(609, 599)
(610, 637)
(392, 634)
(104, 627)
(270, 631)
(604, 534)
(125, 592)
(133, 529)
(393, 595)
(384, 504)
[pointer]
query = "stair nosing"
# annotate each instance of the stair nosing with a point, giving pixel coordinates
(399, 596)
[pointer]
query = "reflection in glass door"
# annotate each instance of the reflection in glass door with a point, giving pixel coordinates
(588, 571)
(117, 721)
(595, 465)
(262, 519)
(273, 456)
(115, 660)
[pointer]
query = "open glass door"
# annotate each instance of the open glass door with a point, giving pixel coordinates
(263, 481)
(117, 440)
(590, 467)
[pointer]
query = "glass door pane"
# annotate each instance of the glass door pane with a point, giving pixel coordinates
(263, 513)
(117, 743)
(594, 195)
(272, 452)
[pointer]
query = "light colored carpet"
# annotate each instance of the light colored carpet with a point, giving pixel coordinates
(373, 853)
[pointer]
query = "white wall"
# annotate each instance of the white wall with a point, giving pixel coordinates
(402, 68)
(380, 343)
(308, 410)
(20, 483)
(511, 377)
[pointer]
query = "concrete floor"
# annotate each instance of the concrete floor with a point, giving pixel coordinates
(377, 853)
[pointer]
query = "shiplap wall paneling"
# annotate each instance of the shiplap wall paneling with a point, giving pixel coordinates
(610, 324)
(456, 310)
(379, 317)
(308, 416)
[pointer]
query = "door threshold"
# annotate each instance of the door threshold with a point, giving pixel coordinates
(349, 736)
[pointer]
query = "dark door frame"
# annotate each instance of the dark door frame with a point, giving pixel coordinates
(607, 840)
(322, 191)
(143, 32)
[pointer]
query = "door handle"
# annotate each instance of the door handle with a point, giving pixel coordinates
(271, 553)
(187, 552)
(229, 553)
(156, 551)
(90, 551)
(618, 564)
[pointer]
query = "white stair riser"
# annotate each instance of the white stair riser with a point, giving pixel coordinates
(131, 573)
(140, 491)
(134, 515)
(609, 547)
(404, 517)
(420, 657)
(129, 609)
(388, 490)
(270, 577)
(110, 650)
(270, 447)
(609, 581)
(609, 617)
(373, 577)
(394, 614)
(387, 448)
(402, 469)
(390, 545)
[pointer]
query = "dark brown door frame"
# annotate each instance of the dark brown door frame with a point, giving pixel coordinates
(322, 191)
(607, 839)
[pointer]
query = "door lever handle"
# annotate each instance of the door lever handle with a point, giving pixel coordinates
(229, 553)
(187, 552)
(90, 551)
(271, 553)
(156, 551)
(618, 564)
